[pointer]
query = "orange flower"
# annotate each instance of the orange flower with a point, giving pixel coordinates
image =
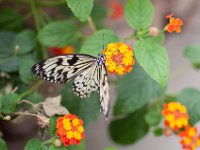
(190, 139)
(70, 129)
(119, 58)
(176, 116)
(62, 50)
(174, 24)
(116, 10)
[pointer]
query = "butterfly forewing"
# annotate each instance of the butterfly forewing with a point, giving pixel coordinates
(104, 91)
(61, 69)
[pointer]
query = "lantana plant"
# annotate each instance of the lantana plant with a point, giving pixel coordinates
(137, 67)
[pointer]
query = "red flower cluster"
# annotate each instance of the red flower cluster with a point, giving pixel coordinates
(116, 10)
(70, 129)
(62, 50)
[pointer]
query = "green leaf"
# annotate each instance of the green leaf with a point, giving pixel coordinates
(53, 147)
(9, 103)
(9, 64)
(158, 131)
(52, 128)
(153, 116)
(94, 44)
(154, 59)
(77, 147)
(0, 102)
(158, 39)
(35, 144)
(87, 109)
(191, 99)
(192, 52)
(26, 41)
(11, 20)
(81, 8)
(35, 97)
(129, 129)
(3, 144)
(25, 70)
(110, 148)
(58, 33)
(139, 13)
(6, 44)
(135, 90)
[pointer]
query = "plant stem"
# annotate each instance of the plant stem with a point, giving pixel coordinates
(35, 14)
(32, 89)
(91, 24)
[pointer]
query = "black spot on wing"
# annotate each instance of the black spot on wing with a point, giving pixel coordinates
(73, 60)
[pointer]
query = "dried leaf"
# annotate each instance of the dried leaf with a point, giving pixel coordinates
(53, 107)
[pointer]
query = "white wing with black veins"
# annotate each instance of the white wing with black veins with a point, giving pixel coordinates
(61, 69)
(104, 91)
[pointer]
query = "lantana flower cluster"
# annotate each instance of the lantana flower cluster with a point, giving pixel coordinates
(119, 58)
(70, 129)
(174, 24)
(177, 120)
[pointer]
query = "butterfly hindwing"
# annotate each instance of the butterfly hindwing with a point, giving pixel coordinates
(104, 91)
(86, 82)
(61, 69)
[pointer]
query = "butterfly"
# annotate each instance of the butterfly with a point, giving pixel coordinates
(89, 74)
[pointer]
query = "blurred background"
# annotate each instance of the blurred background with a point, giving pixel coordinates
(182, 75)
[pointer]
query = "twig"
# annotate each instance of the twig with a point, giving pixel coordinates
(91, 24)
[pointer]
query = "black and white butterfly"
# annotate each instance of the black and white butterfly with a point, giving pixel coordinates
(89, 74)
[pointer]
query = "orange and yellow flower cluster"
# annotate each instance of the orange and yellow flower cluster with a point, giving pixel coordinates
(177, 121)
(70, 129)
(174, 24)
(69, 49)
(190, 139)
(176, 116)
(119, 58)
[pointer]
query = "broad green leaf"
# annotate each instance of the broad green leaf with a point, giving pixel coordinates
(191, 99)
(6, 44)
(58, 33)
(158, 131)
(158, 39)
(153, 116)
(35, 97)
(0, 102)
(25, 70)
(154, 60)
(11, 20)
(87, 109)
(139, 13)
(110, 148)
(52, 147)
(3, 145)
(130, 129)
(52, 128)
(9, 64)
(9, 103)
(94, 44)
(35, 144)
(192, 52)
(77, 147)
(81, 8)
(26, 40)
(135, 90)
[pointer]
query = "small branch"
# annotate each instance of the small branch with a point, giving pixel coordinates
(28, 114)
(91, 24)
(32, 89)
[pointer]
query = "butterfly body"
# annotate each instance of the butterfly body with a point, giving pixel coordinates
(89, 74)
